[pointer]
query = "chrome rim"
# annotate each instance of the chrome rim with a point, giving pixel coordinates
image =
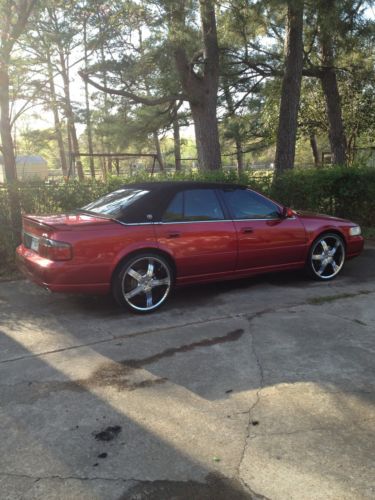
(146, 283)
(328, 256)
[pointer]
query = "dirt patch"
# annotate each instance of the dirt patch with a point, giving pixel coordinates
(232, 336)
(121, 377)
(108, 434)
(331, 298)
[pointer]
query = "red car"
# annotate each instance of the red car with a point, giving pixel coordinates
(140, 241)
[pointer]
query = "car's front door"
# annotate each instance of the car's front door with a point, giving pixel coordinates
(195, 231)
(265, 238)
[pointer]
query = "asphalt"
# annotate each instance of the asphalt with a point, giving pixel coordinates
(259, 388)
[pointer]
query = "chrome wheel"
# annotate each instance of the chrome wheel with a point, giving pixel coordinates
(145, 282)
(327, 256)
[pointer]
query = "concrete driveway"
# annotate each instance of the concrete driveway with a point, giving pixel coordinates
(261, 388)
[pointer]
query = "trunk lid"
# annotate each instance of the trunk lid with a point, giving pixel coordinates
(40, 224)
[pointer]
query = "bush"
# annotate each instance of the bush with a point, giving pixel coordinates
(347, 192)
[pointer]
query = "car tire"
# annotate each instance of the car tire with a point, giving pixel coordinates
(143, 282)
(326, 257)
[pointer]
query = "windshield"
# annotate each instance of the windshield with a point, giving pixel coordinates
(114, 204)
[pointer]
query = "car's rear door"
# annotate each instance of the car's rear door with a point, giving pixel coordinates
(195, 231)
(265, 238)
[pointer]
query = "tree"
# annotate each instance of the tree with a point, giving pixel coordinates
(291, 88)
(14, 18)
(85, 15)
(63, 37)
(197, 72)
(327, 21)
(200, 85)
(56, 114)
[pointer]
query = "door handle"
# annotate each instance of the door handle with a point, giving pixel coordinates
(247, 230)
(174, 235)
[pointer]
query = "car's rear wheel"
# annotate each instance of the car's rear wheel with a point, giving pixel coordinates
(143, 282)
(326, 256)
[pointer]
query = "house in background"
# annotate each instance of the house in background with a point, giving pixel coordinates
(28, 168)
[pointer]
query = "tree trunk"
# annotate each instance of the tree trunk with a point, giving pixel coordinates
(177, 144)
(291, 88)
(110, 169)
(236, 134)
(337, 137)
(158, 150)
(107, 147)
(352, 142)
(314, 149)
(330, 88)
(70, 115)
(239, 156)
(55, 110)
(88, 111)
(103, 164)
(201, 88)
(206, 134)
(9, 159)
(5, 127)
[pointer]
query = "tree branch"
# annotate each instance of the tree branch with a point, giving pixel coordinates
(130, 95)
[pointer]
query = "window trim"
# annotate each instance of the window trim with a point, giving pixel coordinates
(223, 205)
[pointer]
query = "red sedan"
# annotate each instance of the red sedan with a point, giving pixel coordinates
(140, 241)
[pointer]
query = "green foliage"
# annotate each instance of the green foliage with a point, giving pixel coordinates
(340, 191)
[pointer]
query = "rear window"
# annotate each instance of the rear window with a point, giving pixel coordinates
(116, 203)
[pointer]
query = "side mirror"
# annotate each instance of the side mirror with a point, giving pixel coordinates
(287, 213)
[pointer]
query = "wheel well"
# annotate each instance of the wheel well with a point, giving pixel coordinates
(333, 231)
(143, 250)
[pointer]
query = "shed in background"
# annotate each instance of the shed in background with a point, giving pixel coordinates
(28, 168)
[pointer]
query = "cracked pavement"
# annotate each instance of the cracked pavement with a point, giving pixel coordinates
(259, 388)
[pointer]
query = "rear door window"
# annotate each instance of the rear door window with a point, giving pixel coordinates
(194, 205)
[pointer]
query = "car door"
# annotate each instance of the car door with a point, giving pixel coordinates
(265, 237)
(195, 231)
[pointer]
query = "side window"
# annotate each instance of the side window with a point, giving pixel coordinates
(202, 204)
(175, 210)
(245, 204)
(194, 205)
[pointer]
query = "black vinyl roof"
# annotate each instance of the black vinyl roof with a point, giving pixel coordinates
(160, 193)
(171, 186)
(155, 199)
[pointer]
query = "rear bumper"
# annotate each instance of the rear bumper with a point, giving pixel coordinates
(52, 275)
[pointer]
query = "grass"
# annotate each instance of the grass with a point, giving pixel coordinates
(368, 233)
(9, 272)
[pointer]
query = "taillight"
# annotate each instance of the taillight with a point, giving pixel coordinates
(55, 250)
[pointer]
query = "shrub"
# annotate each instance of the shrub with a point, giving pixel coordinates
(341, 191)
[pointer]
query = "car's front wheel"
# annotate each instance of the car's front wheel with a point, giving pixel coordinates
(143, 282)
(326, 256)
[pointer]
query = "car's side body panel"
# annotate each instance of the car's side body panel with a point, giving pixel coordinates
(275, 242)
(96, 254)
(199, 248)
(316, 224)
